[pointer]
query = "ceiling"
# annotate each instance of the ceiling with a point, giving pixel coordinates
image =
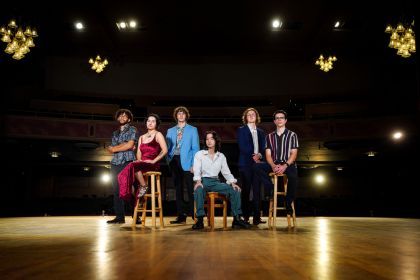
(234, 36)
(216, 28)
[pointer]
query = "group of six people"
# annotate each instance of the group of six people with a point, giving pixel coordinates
(259, 154)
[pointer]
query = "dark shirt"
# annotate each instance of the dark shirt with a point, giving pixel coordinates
(280, 146)
(119, 137)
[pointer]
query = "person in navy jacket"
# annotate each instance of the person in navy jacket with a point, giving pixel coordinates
(251, 141)
(183, 143)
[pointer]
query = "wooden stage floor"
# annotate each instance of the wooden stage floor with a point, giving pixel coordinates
(320, 248)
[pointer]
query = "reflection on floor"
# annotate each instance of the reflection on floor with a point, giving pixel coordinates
(319, 248)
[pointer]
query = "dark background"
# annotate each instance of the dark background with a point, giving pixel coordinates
(216, 58)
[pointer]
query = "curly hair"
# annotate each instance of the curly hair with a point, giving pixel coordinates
(123, 111)
(181, 109)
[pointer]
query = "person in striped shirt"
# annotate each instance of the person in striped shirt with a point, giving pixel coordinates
(281, 153)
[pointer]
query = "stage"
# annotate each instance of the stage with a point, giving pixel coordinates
(319, 248)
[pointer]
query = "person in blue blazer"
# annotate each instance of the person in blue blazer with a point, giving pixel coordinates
(251, 142)
(183, 143)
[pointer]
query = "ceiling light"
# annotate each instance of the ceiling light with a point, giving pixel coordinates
(86, 168)
(340, 168)
(127, 25)
(397, 135)
(98, 64)
(19, 39)
(276, 24)
(402, 39)
(337, 24)
(325, 64)
(133, 24)
(79, 25)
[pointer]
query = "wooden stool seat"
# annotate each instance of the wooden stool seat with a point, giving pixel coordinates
(273, 208)
(153, 181)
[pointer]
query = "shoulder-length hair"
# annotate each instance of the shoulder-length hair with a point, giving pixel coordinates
(216, 137)
(244, 120)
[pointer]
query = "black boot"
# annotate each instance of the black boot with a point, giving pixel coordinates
(239, 223)
(117, 220)
(199, 224)
(180, 219)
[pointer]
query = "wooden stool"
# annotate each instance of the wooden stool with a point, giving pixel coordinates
(272, 211)
(210, 205)
(153, 181)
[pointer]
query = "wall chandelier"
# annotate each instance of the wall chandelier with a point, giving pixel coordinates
(325, 64)
(98, 64)
(18, 41)
(402, 39)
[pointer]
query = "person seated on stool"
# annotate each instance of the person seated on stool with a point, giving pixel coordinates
(152, 148)
(281, 153)
(208, 163)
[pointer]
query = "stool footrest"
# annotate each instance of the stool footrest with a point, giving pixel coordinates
(150, 195)
(148, 211)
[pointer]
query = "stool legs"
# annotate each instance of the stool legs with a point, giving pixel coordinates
(141, 204)
(211, 212)
(160, 201)
(153, 182)
(275, 201)
(224, 213)
(272, 213)
(211, 204)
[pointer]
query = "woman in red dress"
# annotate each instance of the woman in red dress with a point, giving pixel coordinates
(151, 149)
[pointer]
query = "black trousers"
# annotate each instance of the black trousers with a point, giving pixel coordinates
(247, 176)
(261, 171)
(180, 177)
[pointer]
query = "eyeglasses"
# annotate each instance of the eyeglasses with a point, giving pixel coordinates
(280, 118)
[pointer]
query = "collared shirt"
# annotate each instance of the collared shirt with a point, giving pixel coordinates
(179, 134)
(281, 145)
(254, 137)
(127, 133)
(204, 166)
